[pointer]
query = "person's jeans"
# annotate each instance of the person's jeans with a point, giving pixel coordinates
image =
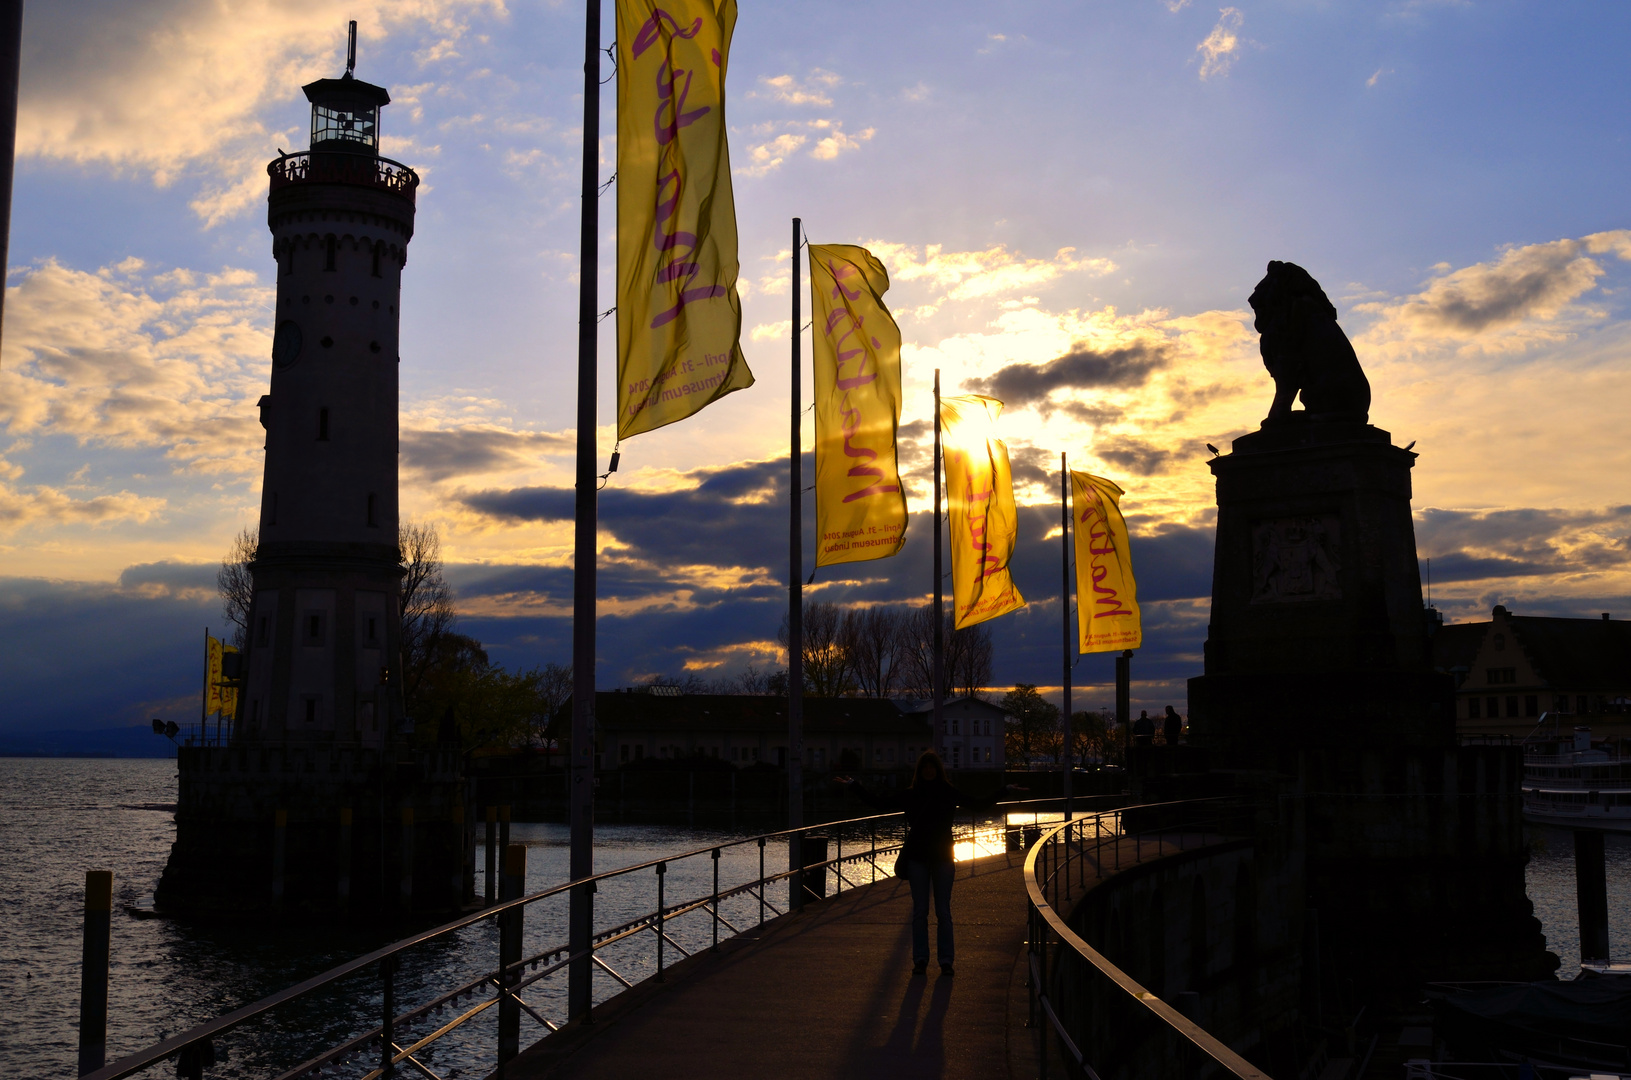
(922, 877)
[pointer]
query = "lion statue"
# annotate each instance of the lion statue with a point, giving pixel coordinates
(1305, 350)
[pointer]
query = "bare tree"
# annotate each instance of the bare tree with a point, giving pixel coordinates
(968, 655)
(236, 584)
(968, 661)
(826, 657)
(424, 600)
(874, 638)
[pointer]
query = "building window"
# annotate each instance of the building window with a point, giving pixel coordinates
(322, 425)
(333, 246)
(288, 259)
(1531, 705)
(1512, 705)
(373, 629)
(957, 757)
(261, 635)
(891, 755)
(1501, 676)
(311, 710)
(379, 249)
(1581, 704)
(313, 627)
(1492, 707)
(954, 727)
(1473, 711)
(372, 499)
(623, 753)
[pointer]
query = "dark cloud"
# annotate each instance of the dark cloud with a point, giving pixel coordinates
(1137, 456)
(171, 576)
(1536, 279)
(1080, 369)
(440, 455)
(1471, 545)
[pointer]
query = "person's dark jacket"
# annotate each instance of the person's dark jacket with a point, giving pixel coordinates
(930, 807)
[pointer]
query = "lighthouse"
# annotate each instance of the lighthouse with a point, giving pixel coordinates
(323, 805)
(323, 625)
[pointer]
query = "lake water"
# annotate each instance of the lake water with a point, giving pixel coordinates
(62, 817)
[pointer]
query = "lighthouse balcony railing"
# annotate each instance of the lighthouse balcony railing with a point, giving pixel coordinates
(338, 167)
(438, 1019)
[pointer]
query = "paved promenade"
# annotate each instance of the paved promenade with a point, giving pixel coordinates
(823, 993)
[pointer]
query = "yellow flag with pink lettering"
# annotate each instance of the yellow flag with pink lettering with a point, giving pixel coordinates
(980, 498)
(860, 504)
(679, 321)
(1107, 614)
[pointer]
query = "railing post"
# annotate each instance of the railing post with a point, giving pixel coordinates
(716, 899)
(872, 844)
(93, 971)
(662, 872)
(509, 955)
(387, 1027)
(761, 881)
(838, 865)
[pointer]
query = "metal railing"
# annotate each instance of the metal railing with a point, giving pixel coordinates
(336, 167)
(396, 1045)
(1062, 963)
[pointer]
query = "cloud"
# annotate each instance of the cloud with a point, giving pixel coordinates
(1222, 46)
(967, 275)
(836, 143)
(768, 157)
(146, 86)
(1139, 456)
(127, 357)
(1525, 297)
(42, 505)
(1478, 545)
(1371, 82)
(442, 454)
(787, 90)
(1084, 367)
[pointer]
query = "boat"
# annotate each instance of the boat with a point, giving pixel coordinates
(1576, 783)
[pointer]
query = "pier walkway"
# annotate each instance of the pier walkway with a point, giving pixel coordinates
(825, 992)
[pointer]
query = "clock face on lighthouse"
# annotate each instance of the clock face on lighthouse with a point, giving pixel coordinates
(286, 344)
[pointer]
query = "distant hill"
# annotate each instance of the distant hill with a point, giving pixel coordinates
(125, 742)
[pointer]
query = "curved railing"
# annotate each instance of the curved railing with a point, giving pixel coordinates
(1057, 867)
(404, 1033)
(358, 170)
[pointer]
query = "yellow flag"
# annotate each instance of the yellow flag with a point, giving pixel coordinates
(980, 497)
(212, 675)
(229, 691)
(678, 317)
(1106, 594)
(860, 505)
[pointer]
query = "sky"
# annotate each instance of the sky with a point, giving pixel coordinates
(1073, 201)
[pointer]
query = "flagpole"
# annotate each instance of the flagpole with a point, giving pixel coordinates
(580, 801)
(939, 674)
(1064, 611)
(795, 603)
(204, 702)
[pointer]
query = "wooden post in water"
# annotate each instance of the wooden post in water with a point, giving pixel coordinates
(280, 833)
(1591, 894)
(492, 854)
(345, 858)
(93, 971)
(406, 889)
(509, 953)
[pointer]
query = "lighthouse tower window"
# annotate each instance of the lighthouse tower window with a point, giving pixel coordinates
(322, 425)
(332, 245)
(352, 125)
(372, 518)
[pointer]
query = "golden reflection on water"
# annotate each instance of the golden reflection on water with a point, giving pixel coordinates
(990, 838)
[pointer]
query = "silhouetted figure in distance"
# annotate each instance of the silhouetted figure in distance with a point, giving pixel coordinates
(1143, 729)
(1173, 726)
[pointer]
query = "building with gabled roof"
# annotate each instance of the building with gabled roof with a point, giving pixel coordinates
(1514, 668)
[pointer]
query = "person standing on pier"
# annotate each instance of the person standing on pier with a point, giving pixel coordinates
(927, 860)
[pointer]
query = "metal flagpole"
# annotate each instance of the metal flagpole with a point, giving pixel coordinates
(939, 690)
(795, 604)
(204, 702)
(1064, 607)
(11, 47)
(580, 917)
